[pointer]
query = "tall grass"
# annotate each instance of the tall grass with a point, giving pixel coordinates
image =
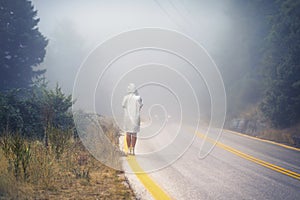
(64, 169)
(25, 162)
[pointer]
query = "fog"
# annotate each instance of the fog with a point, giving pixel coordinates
(167, 48)
(76, 29)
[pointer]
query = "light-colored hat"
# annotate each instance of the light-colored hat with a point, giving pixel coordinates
(131, 88)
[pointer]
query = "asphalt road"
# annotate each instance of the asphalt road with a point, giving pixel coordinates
(171, 160)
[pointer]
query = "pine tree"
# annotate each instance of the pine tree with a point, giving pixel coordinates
(22, 44)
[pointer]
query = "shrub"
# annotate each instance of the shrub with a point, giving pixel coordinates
(59, 140)
(18, 154)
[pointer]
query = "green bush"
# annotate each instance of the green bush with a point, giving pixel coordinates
(31, 111)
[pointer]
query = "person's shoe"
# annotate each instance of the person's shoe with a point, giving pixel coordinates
(133, 151)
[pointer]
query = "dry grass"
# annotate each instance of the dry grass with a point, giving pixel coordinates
(285, 136)
(261, 128)
(277, 136)
(76, 175)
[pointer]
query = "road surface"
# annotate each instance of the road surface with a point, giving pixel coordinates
(237, 168)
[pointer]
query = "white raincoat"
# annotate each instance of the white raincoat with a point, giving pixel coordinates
(132, 104)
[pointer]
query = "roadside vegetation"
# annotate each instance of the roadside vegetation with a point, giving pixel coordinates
(41, 156)
(29, 170)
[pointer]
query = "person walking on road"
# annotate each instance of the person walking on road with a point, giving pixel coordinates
(132, 104)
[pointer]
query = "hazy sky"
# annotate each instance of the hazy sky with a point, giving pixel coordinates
(97, 20)
(75, 27)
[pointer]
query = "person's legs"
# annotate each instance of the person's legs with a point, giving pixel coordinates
(128, 140)
(133, 141)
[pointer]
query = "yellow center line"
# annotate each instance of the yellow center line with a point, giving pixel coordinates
(150, 185)
(251, 158)
(263, 140)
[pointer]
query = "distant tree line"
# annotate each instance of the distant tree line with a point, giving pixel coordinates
(281, 101)
(261, 66)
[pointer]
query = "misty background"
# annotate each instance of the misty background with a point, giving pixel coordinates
(238, 35)
(75, 28)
